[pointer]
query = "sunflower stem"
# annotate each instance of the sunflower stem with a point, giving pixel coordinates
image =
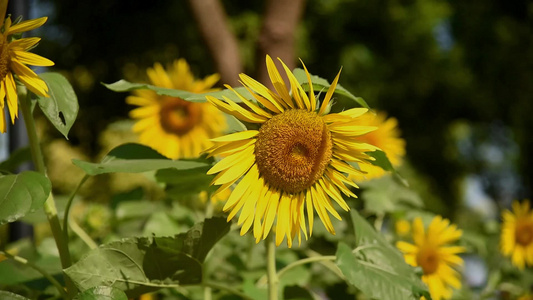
(272, 276)
(49, 205)
(69, 204)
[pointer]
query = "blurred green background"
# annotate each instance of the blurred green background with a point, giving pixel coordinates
(458, 75)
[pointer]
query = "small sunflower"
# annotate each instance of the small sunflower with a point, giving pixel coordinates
(14, 57)
(431, 252)
(386, 137)
(175, 127)
(517, 234)
(295, 161)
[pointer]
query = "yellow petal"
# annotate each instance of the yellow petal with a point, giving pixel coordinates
(32, 59)
(11, 95)
(330, 92)
(26, 25)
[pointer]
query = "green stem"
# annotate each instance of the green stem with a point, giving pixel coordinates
(272, 276)
(82, 234)
(327, 263)
(305, 261)
(23, 261)
(209, 207)
(49, 206)
(69, 204)
(207, 293)
(228, 289)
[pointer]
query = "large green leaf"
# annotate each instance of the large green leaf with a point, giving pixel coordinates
(101, 293)
(144, 264)
(376, 267)
(61, 107)
(126, 86)
(135, 158)
(22, 194)
(321, 84)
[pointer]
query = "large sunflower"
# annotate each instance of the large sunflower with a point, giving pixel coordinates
(431, 251)
(296, 160)
(517, 234)
(14, 57)
(175, 127)
(386, 137)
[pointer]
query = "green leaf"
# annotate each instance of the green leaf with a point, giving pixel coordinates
(102, 293)
(377, 268)
(221, 94)
(17, 158)
(10, 296)
(381, 160)
(184, 182)
(61, 108)
(386, 194)
(321, 84)
(22, 194)
(126, 86)
(144, 264)
(135, 158)
(12, 273)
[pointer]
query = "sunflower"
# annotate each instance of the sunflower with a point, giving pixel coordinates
(517, 234)
(14, 57)
(431, 252)
(295, 161)
(386, 137)
(175, 127)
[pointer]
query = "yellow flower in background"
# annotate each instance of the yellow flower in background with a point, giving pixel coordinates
(517, 234)
(175, 127)
(402, 227)
(527, 296)
(295, 161)
(386, 137)
(215, 198)
(431, 251)
(14, 57)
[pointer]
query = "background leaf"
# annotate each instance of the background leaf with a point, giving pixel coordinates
(61, 108)
(185, 182)
(126, 86)
(223, 93)
(16, 158)
(386, 194)
(377, 268)
(381, 160)
(101, 293)
(143, 264)
(135, 158)
(322, 85)
(22, 194)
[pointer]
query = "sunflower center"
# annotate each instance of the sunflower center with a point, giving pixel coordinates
(524, 233)
(4, 57)
(428, 259)
(179, 116)
(293, 149)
